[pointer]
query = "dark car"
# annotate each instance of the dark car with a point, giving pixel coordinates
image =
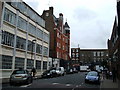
(20, 76)
(46, 74)
(49, 73)
(92, 77)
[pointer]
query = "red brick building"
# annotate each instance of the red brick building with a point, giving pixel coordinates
(59, 36)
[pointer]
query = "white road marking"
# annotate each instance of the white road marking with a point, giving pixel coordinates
(79, 85)
(76, 85)
(82, 83)
(68, 85)
(55, 83)
(25, 85)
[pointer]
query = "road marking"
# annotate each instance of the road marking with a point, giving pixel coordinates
(82, 83)
(79, 85)
(68, 85)
(76, 85)
(55, 83)
(25, 85)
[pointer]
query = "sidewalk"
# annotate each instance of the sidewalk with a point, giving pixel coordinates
(108, 83)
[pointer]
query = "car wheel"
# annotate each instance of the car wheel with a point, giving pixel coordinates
(28, 81)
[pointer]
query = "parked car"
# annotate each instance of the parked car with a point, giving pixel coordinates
(46, 74)
(92, 77)
(75, 70)
(49, 73)
(69, 71)
(20, 76)
(60, 71)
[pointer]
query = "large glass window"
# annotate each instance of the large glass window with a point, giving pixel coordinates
(22, 7)
(31, 14)
(46, 37)
(39, 49)
(20, 43)
(44, 64)
(19, 63)
(45, 51)
(7, 38)
(6, 62)
(31, 46)
(32, 29)
(38, 64)
(30, 64)
(10, 16)
(39, 33)
(22, 23)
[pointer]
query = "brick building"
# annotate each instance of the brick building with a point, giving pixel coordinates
(88, 56)
(59, 37)
(114, 43)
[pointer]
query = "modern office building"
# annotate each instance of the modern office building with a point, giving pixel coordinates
(59, 37)
(24, 38)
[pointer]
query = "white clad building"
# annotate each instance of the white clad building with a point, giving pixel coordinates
(24, 39)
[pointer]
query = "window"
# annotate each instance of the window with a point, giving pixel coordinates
(44, 65)
(45, 51)
(76, 50)
(73, 54)
(10, 16)
(31, 14)
(22, 23)
(30, 64)
(94, 53)
(31, 46)
(39, 49)
(20, 43)
(73, 50)
(102, 53)
(46, 37)
(19, 63)
(77, 55)
(98, 53)
(32, 29)
(38, 64)
(47, 14)
(22, 7)
(39, 33)
(6, 62)
(7, 38)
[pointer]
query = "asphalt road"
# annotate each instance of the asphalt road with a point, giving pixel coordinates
(70, 81)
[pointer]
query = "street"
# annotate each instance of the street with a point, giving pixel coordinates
(71, 81)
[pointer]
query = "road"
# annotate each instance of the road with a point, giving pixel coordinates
(71, 81)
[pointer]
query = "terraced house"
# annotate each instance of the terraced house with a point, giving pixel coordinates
(24, 38)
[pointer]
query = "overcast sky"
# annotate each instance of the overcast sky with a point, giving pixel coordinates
(90, 21)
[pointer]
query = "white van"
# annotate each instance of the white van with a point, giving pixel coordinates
(60, 71)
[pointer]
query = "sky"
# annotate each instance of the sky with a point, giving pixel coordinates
(90, 21)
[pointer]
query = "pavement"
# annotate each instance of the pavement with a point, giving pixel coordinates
(108, 83)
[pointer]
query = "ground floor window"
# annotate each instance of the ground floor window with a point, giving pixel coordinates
(19, 63)
(44, 64)
(30, 64)
(38, 64)
(6, 62)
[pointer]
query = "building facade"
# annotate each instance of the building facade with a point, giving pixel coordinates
(75, 56)
(24, 38)
(88, 56)
(59, 36)
(114, 43)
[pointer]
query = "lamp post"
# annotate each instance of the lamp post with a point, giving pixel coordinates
(32, 48)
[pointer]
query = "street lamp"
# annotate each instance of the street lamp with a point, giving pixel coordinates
(32, 48)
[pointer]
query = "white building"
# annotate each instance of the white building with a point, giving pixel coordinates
(24, 39)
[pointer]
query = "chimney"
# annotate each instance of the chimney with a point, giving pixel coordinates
(51, 9)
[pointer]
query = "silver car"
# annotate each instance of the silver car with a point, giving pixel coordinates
(20, 76)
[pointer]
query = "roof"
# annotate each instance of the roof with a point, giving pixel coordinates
(66, 25)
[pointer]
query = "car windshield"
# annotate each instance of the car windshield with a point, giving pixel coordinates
(92, 74)
(19, 72)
